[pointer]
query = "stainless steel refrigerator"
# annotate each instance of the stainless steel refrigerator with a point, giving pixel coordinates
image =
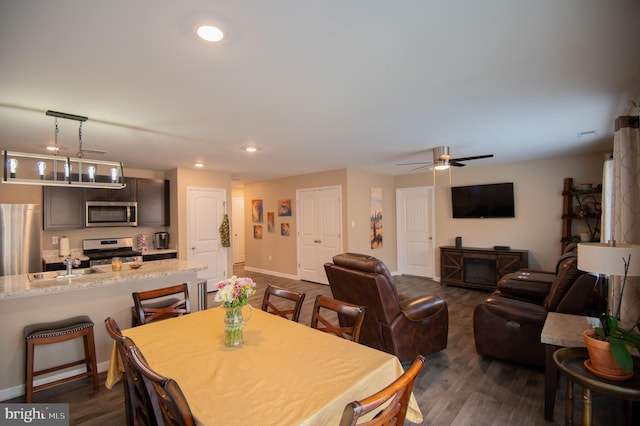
(20, 229)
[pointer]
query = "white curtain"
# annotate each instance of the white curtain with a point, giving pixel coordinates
(624, 212)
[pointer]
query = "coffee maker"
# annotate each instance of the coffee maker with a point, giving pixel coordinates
(161, 240)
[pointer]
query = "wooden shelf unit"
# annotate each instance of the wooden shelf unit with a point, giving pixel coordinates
(479, 267)
(587, 208)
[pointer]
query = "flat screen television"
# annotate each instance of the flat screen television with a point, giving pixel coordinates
(483, 201)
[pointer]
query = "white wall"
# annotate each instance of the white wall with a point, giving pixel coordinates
(537, 225)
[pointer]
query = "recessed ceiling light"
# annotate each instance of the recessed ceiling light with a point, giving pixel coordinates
(251, 149)
(210, 33)
(52, 148)
(199, 165)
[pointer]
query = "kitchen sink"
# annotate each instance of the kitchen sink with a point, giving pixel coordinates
(60, 275)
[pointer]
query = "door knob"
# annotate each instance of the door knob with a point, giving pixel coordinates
(193, 248)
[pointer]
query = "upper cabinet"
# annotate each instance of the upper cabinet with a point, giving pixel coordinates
(127, 193)
(63, 207)
(153, 202)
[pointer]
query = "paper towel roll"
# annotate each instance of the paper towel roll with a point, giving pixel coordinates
(64, 247)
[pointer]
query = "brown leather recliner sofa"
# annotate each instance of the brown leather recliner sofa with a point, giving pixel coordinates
(508, 324)
(401, 326)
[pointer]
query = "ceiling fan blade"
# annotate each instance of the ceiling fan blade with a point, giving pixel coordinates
(454, 163)
(477, 157)
(413, 164)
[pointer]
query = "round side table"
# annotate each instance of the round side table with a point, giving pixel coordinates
(570, 362)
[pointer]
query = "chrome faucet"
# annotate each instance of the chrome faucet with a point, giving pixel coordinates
(71, 263)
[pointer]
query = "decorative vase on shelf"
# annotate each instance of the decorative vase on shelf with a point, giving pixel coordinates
(234, 323)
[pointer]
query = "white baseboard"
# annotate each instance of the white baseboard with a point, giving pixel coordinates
(275, 274)
(19, 390)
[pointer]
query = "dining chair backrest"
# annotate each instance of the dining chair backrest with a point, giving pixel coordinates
(274, 293)
(349, 317)
(139, 405)
(157, 304)
(174, 407)
(399, 391)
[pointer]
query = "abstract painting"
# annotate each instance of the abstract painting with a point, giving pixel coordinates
(376, 218)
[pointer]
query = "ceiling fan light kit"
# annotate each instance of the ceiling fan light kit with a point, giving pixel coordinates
(52, 170)
(441, 164)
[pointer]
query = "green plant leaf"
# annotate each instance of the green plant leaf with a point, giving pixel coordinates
(632, 339)
(621, 354)
(612, 323)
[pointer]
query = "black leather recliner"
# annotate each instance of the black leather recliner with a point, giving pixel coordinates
(400, 326)
(508, 324)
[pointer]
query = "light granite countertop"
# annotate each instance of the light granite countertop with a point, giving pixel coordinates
(16, 286)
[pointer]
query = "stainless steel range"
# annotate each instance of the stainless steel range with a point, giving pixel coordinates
(101, 251)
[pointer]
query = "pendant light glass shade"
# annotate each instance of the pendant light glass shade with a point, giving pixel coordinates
(50, 170)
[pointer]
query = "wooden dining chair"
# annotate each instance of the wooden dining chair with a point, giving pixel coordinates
(272, 292)
(146, 310)
(139, 405)
(399, 391)
(350, 317)
(173, 406)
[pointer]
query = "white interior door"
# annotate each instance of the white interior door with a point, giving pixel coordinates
(237, 227)
(319, 223)
(414, 213)
(205, 210)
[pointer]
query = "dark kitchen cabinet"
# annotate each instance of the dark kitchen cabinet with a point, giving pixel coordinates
(128, 193)
(159, 256)
(153, 202)
(63, 207)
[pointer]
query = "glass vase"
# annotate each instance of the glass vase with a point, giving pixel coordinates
(234, 323)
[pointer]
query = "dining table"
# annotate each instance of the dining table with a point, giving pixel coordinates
(285, 373)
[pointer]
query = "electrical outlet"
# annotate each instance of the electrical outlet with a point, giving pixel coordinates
(54, 240)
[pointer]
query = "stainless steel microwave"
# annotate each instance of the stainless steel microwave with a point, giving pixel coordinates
(111, 213)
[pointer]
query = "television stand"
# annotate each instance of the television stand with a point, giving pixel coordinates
(479, 268)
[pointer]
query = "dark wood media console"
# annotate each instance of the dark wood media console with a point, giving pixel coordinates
(479, 267)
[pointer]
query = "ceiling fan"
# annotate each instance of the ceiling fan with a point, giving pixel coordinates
(442, 160)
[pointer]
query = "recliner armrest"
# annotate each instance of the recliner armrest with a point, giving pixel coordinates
(525, 287)
(516, 310)
(421, 307)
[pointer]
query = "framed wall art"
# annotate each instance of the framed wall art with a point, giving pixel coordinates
(284, 229)
(376, 218)
(284, 207)
(256, 211)
(271, 227)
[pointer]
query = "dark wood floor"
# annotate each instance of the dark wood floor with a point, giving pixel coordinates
(456, 386)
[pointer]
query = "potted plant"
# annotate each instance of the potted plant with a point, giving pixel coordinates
(609, 345)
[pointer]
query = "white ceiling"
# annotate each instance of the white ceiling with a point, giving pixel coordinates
(319, 84)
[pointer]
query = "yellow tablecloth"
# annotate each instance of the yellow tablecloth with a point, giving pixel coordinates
(285, 373)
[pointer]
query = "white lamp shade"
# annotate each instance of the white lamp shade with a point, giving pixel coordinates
(604, 259)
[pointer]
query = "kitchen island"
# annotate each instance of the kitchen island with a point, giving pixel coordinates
(100, 294)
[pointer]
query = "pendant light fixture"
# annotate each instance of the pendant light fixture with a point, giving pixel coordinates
(53, 170)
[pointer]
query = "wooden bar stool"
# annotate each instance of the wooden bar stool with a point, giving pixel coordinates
(60, 331)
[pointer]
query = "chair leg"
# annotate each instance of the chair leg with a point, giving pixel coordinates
(29, 371)
(90, 357)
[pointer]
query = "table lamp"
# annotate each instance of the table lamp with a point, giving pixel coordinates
(610, 259)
